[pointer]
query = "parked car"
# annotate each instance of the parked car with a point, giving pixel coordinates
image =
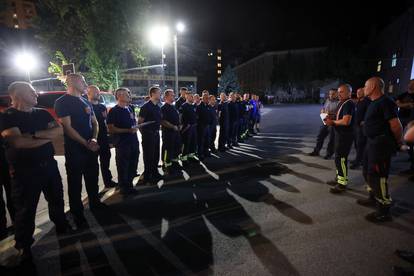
(47, 99)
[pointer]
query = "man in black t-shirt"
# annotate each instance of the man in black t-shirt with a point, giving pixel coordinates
(122, 125)
(4, 182)
(202, 128)
(361, 139)
(188, 119)
(213, 121)
(104, 149)
(151, 112)
(405, 102)
(28, 134)
(171, 139)
(343, 137)
(384, 132)
(233, 121)
(182, 99)
(223, 114)
(81, 147)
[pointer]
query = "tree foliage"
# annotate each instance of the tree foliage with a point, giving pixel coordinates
(96, 35)
(229, 82)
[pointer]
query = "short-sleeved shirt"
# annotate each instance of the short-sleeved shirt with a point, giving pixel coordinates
(202, 114)
(151, 112)
(80, 112)
(233, 112)
(212, 120)
(179, 103)
(223, 109)
(330, 106)
(345, 108)
(122, 117)
(170, 114)
(405, 98)
(27, 122)
(188, 114)
(361, 109)
(101, 115)
(377, 117)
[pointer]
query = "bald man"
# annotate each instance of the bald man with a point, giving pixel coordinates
(101, 113)
(344, 137)
(28, 133)
(81, 148)
(384, 132)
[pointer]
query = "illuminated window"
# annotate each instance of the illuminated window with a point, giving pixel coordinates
(218, 51)
(219, 65)
(14, 15)
(379, 66)
(219, 72)
(16, 26)
(394, 60)
(218, 57)
(219, 79)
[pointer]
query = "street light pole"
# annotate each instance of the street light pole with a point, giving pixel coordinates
(162, 68)
(176, 63)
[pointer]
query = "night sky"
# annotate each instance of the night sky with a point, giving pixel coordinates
(247, 28)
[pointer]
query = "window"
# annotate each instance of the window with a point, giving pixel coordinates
(14, 15)
(379, 66)
(219, 65)
(219, 72)
(16, 26)
(218, 57)
(218, 51)
(394, 60)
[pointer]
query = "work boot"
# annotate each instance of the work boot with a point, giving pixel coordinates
(405, 255)
(367, 202)
(313, 153)
(111, 184)
(332, 182)
(80, 221)
(337, 189)
(379, 216)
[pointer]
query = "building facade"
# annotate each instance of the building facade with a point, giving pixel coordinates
(17, 14)
(394, 53)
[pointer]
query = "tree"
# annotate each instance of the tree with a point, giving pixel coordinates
(96, 35)
(228, 82)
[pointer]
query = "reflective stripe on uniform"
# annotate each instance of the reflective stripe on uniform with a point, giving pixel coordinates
(385, 199)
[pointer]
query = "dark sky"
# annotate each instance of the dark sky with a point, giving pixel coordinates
(247, 28)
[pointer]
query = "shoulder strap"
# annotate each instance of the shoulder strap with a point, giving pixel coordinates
(340, 108)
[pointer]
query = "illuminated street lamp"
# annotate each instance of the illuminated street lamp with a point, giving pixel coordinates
(159, 36)
(180, 27)
(26, 62)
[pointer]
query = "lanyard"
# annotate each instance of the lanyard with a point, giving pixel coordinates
(340, 108)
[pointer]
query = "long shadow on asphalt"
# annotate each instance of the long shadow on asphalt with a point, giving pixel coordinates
(166, 232)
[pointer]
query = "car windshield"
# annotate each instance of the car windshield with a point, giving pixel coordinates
(108, 99)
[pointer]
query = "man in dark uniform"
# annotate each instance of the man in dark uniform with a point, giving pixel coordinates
(151, 112)
(171, 139)
(384, 132)
(330, 107)
(122, 125)
(104, 149)
(28, 133)
(189, 129)
(343, 137)
(203, 134)
(4, 182)
(81, 148)
(241, 105)
(212, 108)
(405, 103)
(223, 113)
(361, 140)
(233, 121)
(182, 99)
